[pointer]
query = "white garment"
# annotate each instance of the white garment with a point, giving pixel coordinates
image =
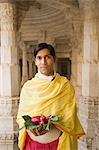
(52, 135)
(44, 77)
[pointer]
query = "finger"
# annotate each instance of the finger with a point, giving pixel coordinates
(40, 128)
(34, 132)
(43, 132)
(37, 132)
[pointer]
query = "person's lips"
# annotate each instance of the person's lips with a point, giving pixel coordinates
(45, 67)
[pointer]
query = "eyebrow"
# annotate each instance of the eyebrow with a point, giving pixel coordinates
(44, 55)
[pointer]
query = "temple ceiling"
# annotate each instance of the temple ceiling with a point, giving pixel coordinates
(47, 18)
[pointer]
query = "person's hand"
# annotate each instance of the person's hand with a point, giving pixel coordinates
(39, 131)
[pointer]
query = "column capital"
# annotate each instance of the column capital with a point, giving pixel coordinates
(8, 16)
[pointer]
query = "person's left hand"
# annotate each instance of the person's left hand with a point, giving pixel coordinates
(39, 131)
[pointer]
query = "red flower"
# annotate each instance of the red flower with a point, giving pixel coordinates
(36, 119)
(44, 119)
(39, 121)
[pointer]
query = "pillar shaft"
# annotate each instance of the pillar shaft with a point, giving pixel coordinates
(9, 77)
(74, 67)
(24, 67)
(90, 75)
(30, 70)
(90, 53)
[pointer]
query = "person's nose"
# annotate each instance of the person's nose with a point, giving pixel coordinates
(43, 61)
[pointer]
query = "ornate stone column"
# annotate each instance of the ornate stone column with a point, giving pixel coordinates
(30, 69)
(74, 68)
(90, 76)
(24, 66)
(0, 64)
(76, 43)
(77, 73)
(9, 77)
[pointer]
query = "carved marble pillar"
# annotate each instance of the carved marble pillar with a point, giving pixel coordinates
(79, 75)
(77, 72)
(30, 69)
(9, 77)
(74, 68)
(0, 65)
(76, 51)
(24, 67)
(90, 76)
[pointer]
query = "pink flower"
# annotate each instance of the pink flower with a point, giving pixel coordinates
(44, 119)
(36, 119)
(39, 121)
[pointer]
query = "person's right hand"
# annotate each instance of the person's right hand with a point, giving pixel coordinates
(39, 131)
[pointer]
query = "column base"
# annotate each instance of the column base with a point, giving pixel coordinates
(8, 125)
(88, 113)
(8, 142)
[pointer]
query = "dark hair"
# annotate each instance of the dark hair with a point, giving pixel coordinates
(42, 46)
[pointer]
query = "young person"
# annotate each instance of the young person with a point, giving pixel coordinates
(48, 93)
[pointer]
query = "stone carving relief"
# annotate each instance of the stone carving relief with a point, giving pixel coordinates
(8, 106)
(8, 16)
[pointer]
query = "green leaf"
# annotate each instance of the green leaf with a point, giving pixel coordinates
(26, 118)
(28, 123)
(20, 128)
(31, 127)
(54, 118)
(48, 125)
(45, 126)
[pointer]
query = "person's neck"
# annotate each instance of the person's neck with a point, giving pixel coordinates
(46, 77)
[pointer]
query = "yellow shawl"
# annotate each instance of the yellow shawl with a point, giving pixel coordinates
(56, 97)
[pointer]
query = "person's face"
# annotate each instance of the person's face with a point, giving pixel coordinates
(45, 62)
